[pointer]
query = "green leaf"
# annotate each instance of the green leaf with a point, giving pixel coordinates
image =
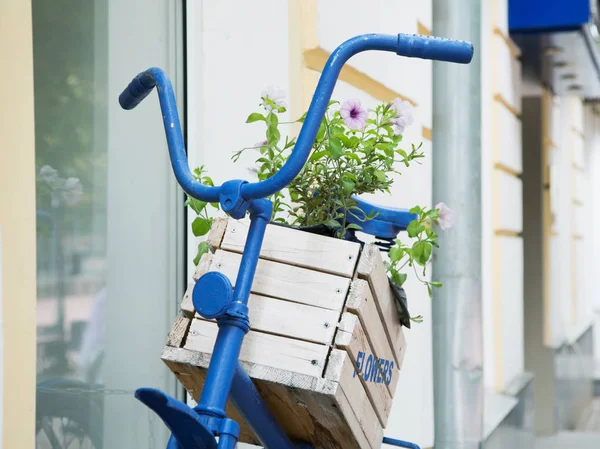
(353, 156)
(436, 284)
(196, 205)
(348, 185)
(273, 135)
(354, 226)
(429, 291)
(255, 117)
(422, 252)
(396, 254)
(202, 249)
(272, 119)
(413, 229)
(380, 175)
(318, 155)
(200, 226)
(335, 148)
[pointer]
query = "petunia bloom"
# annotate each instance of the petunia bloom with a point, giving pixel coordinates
(446, 216)
(355, 117)
(404, 115)
(276, 95)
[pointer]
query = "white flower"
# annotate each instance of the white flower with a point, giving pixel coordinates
(276, 95)
(73, 191)
(446, 216)
(50, 176)
(404, 115)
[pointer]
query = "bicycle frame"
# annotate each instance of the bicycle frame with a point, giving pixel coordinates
(213, 295)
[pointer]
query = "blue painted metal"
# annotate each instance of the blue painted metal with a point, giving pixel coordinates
(212, 295)
(388, 221)
(547, 15)
(253, 409)
(185, 425)
(399, 443)
(194, 429)
(234, 325)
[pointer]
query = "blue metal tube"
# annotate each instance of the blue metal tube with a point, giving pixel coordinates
(399, 443)
(234, 325)
(139, 89)
(402, 44)
(253, 409)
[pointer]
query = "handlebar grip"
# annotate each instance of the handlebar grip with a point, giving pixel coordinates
(138, 89)
(435, 48)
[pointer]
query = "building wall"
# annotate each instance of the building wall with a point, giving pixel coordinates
(502, 200)
(17, 228)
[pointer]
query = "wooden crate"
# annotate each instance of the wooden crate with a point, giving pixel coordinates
(325, 345)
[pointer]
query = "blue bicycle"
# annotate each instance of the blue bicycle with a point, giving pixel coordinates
(206, 426)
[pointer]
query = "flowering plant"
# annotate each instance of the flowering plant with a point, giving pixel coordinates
(355, 152)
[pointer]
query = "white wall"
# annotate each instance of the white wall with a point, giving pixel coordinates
(502, 247)
(235, 49)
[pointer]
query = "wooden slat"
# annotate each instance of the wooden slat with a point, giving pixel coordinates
(506, 169)
(290, 319)
(373, 373)
(360, 301)
(426, 132)
(342, 370)
(288, 282)
(178, 332)
(514, 48)
(371, 268)
(422, 29)
(264, 349)
(500, 99)
(296, 247)
(217, 231)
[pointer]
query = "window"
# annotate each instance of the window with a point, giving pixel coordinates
(109, 222)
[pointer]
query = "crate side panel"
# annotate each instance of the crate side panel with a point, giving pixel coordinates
(342, 369)
(360, 302)
(373, 372)
(371, 268)
(295, 247)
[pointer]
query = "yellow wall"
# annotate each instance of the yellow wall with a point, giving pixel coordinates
(17, 224)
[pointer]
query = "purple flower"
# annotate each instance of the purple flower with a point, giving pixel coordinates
(276, 95)
(354, 116)
(446, 216)
(404, 115)
(260, 144)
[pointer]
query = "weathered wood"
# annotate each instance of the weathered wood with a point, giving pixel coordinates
(374, 372)
(178, 332)
(296, 247)
(324, 349)
(268, 350)
(216, 234)
(360, 301)
(371, 268)
(316, 404)
(290, 319)
(342, 369)
(288, 282)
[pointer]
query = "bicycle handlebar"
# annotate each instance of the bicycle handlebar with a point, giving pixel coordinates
(414, 46)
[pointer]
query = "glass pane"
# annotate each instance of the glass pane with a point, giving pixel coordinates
(108, 257)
